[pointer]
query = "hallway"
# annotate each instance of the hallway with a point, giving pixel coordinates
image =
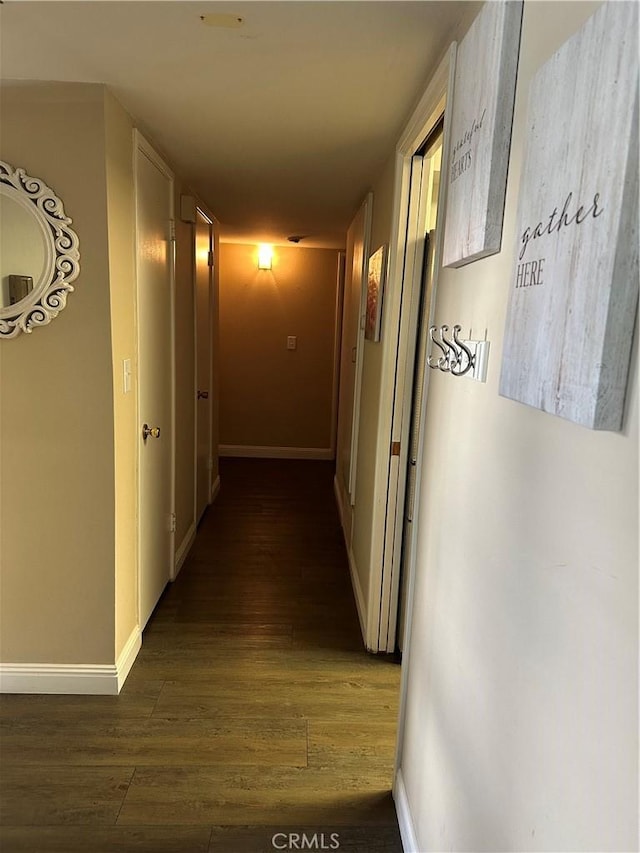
(251, 710)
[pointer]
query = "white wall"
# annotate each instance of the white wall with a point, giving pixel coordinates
(521, 719)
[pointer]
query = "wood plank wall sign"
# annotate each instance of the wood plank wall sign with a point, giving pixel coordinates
(574, 285)
(483, 96)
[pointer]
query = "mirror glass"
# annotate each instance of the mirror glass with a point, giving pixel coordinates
(23, 249)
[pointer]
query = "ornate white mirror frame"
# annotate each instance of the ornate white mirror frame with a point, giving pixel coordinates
(42, 238)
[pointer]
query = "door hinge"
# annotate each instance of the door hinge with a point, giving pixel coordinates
(395, 448)
(172, 231)
(172, 522)
(210, 259)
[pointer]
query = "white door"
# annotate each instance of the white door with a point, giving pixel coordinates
(154, 222)
(204, 385)
(419, 382)
(352, 344)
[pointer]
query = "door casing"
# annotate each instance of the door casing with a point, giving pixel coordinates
(383, 595)
(422, 122)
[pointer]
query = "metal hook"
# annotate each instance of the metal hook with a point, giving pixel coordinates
(443, 362)
(470, 357)
(454, 358)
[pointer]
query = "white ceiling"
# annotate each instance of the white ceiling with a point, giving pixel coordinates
(281, 124)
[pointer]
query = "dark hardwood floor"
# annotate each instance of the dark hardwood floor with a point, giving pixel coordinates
(251, 716)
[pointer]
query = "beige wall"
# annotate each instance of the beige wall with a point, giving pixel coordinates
(522, 712)
(270, 396)
(56, 417)
(68, 432)
(122, 272)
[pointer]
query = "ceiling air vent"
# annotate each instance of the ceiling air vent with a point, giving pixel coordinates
(227, 22)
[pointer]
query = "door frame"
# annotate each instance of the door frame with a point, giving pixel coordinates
(337, 349)
(142, 145)
(443, 85)
(383, 588)
(401, 425)
(209, 220)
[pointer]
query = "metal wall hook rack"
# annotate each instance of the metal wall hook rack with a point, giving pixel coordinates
(457, 356)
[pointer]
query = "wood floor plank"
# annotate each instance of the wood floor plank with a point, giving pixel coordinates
(115, 839)
(258, 795)
(136, 701)
(157, 741)
(315, 639)
(194, 638)
(332, 745)
(306, 698)
(319, 664)
(90, 795)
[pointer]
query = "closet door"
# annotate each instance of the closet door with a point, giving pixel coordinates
(155, 263)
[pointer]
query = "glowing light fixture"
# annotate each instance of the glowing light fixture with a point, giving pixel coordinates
(265, 256)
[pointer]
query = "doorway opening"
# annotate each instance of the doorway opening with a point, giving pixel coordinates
(431, 167)
(204, 332)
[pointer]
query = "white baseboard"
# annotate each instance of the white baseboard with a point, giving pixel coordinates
(215, 489)
(99, 680)
(183, 551)
(127, 656)
(246, 450)
(357, 589)
(405, 820)
(355, 580)
(338, 494)
(73, 678)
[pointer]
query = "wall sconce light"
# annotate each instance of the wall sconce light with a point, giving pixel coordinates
(265, 256)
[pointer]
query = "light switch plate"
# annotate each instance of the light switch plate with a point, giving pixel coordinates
(292, 342)
(126, 375)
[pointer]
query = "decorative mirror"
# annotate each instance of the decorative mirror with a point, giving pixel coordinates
(39, 256)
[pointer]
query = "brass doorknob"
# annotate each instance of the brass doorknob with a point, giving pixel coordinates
(147, 431)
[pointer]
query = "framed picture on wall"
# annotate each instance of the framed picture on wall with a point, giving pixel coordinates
(376, 276)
